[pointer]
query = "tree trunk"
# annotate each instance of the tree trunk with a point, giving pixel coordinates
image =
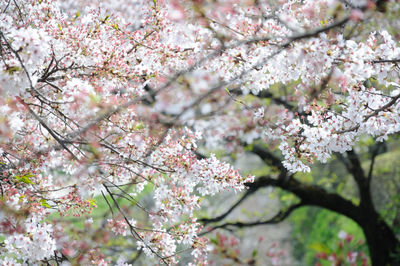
(384, 248)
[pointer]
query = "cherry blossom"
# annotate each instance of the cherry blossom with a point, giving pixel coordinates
(109, 100)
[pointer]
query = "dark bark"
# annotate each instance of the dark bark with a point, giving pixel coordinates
(383, 245)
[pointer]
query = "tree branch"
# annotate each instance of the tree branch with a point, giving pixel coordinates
(279, 217)
(312, 195)
(355, 169)
(386, 61)
(375, 151)
(233, 207)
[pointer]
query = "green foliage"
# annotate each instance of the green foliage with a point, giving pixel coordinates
(44, 203)
(316, 230)
(24, 178)
(12, 69)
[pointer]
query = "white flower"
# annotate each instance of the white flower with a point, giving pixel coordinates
(16, 123)
(6, 261)
(342, 234)
(122, 262)
(38, 246)
(259, 113)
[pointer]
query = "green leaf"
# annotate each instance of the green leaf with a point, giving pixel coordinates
(12, 69)
(25, 178)
(92, 202)
(319, 247)
(44, 203)
(214, 241)
(254, 253)
(138, 126)
(29, 175)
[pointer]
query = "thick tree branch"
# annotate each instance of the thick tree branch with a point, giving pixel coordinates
(312, 195)
(354, 167)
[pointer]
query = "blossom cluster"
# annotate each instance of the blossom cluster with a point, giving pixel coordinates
(110, 99)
